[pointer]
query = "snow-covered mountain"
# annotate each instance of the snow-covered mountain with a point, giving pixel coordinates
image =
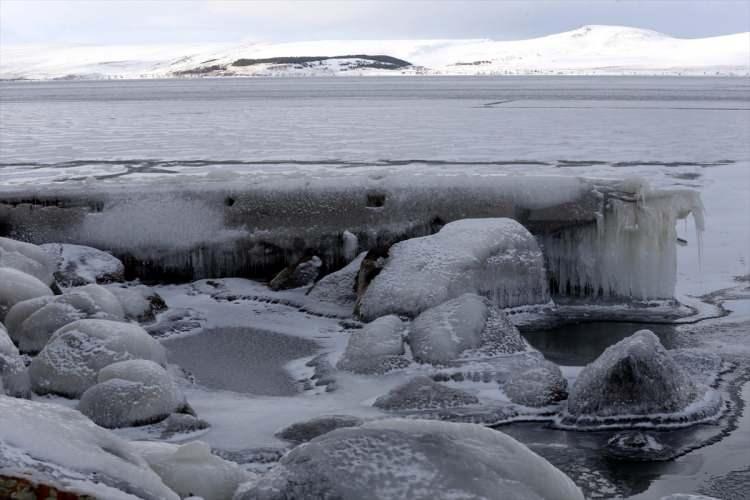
(588, 50)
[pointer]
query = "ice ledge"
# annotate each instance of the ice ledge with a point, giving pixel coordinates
(599, 237)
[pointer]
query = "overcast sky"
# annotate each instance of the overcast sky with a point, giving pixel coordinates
(201, 21)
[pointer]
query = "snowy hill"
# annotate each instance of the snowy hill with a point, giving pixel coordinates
(588, 50)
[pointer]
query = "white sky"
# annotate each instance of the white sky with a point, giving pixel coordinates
(201, 21)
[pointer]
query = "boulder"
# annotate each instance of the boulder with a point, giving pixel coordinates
(302, 273)
(338, 287)
(131, 393)
(70, 362)
(376, 348)
(423, 393)
(539, 386)
(14, 377)
(140, 303)
(17, 286)
(496, 258)
(398, 458)
(301, 432)
(78, 265)
(28, 258)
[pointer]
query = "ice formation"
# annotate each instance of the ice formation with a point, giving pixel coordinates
(16, 286)
(71, 360)
(52, 445)
(397, 458)
(376, 347)
(80, 265)
(301, 432)
(130, 393)
(192, 470)
(636, 381)
(539, 386)
(27, 258)
(32, 322)
(423, 393)
(468, 322)
(497, 258)
(630, 252)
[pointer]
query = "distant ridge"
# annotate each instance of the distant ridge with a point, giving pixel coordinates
(588, 50)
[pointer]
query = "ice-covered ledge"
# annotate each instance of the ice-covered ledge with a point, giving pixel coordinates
(599, 236)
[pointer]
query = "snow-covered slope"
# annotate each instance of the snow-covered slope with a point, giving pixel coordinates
(587, 50)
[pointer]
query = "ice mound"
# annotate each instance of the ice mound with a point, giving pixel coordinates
(14, 378)
(71, 360)
(375, 348)
(78, 265)
(131, 393)
(58, 447)
(339, 287)
(27, 258)
(468, 322)
(139, 303)
(496, 258)
(397, 458)
(633, 382)
(16, 286)
(32, 322)
(423, 393)
(301, 432)
(192, 470)
(539, 386)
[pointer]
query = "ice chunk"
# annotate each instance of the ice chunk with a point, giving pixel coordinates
(56, 446)
(131, 393)
(539, 386)
(302, 432)
(71, 360)
(191, 469)
(28, 258)
(16, 286)
(497, 258)
(372, 349)
(140, 303)
(421, 393)
(634, 378)
(397, 458)
(32, 322)
(80, 265)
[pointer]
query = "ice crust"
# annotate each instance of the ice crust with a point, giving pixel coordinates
(80, 265)
(418, 459)
(53, 445)
(28, 258)
(16, 286)
(497, 258)
(133, 392)
(192, 470)
(70, 362)
(32, 322)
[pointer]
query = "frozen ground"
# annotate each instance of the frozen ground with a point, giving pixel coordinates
(675, 133)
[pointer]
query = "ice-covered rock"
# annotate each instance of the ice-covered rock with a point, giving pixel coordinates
(70, 362)
(32, 322)
(397, 458)
(496, 258)
(339, 287)
(140, 303)
(14, 377)
(302, 273)
(441, 334)
(422, 393)
(637, 446)
(28, 258)
(539, 386)
(301, 432)
(376, 347)
(192, 470)
(16, 286)
(181, 423)
(78, 265)
(636, 377)
(55, 446)
(131, 393)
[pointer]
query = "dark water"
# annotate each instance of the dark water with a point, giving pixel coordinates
(240, 359)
